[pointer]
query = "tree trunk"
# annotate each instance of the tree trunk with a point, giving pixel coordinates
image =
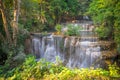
(5, 23)
(15, 20)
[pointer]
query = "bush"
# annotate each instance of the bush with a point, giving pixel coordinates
(58, 27)
(42, 70)
(103, 32)
(73, 30)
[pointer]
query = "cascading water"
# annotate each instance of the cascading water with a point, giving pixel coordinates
(80, 52)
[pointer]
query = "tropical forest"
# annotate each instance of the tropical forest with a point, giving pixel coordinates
(59, 39)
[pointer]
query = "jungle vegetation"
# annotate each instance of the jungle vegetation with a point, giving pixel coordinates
(19, 18)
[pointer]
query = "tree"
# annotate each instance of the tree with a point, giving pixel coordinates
(5, 23)
(106, 13)
(15, 20)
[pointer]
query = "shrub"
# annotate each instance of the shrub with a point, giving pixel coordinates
(73, 30)
(42, 70)
(58, 27)
(103, 32)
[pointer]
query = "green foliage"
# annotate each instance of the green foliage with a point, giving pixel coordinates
(58, 8)
(73, 7)
(106, 13)
(83, 7)
(42, 14)
(114, 70)
(102, 32)
(58, 27)
(47, 13)
(73, 30)
(22, 35)
(14, 54)
(117, 25)
(43, 70)
(44, 33)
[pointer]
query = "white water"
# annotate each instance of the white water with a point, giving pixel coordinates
(72, 51)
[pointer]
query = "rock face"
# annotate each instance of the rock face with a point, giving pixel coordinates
(28, 46)
(82, 51)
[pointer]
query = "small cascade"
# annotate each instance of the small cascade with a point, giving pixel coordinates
(74, 52)
(36, 45)
(50, 51)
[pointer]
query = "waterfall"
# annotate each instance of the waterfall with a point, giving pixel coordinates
(73, 51)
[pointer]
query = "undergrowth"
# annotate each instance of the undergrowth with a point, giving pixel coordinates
(42, 70)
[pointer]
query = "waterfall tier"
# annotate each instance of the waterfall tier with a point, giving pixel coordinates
(74, 51)
(71, 51)
(83, 51)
